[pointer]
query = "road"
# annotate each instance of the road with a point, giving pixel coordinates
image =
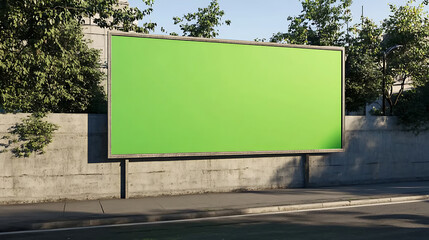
(394, 221)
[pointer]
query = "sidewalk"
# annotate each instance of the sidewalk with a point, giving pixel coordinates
(116, 211)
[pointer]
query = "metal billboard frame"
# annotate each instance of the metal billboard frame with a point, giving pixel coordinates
(208, 154)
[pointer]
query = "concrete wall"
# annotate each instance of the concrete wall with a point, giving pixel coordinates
(72, 168)
(376, 151)
(75, 165)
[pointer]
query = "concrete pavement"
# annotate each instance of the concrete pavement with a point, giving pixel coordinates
(115, 211)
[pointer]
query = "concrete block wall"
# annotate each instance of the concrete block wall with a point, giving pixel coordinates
(75, 165)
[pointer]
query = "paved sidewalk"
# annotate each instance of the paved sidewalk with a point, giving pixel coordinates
(115, 211)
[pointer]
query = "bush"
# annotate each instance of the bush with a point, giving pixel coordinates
(413, 110)
(33, 134)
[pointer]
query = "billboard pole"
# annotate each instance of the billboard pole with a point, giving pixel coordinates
(124, 178)
(306, 169)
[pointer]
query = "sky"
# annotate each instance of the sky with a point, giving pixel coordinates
(252, 19)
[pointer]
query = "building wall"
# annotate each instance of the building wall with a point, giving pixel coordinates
(98, 39)
(75, 165)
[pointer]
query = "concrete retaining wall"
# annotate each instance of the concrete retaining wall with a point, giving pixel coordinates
(71, 168)
(376, 151)
(75, 165)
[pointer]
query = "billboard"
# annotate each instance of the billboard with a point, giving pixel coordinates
(180, 96)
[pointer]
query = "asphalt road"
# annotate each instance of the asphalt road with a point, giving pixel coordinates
(395, 221)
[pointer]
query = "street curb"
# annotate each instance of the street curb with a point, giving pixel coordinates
(207, 214)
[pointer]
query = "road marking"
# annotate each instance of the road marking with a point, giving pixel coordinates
(206, 218)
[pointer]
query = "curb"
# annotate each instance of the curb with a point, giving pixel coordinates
(206, 214)
(324, 205)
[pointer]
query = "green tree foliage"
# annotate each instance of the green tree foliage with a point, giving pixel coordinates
(33, 135)
(407, 26)
(55, 72)
(363, 65)
(321, 22)
(325, 23)
(45, 65)
(413, 110)
(202, 23)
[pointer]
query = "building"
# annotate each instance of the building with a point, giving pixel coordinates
(98, 39)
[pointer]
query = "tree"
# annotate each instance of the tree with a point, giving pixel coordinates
(55, 73)
(408, 27)
(407, 31)
(413, 110)
(363, 65)
(321, 22)
(202, 23)
(45, 65)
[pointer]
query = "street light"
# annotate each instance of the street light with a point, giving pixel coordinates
(385, 53)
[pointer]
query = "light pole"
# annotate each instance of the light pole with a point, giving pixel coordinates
(385, 53)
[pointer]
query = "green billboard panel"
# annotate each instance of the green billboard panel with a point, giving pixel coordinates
(176, 96)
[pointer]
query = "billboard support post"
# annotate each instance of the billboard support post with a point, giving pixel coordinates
(306, 169)
(124, 178)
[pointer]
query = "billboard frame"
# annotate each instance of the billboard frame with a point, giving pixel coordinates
(226, 154)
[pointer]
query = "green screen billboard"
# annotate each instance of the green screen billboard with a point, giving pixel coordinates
(177, 96)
